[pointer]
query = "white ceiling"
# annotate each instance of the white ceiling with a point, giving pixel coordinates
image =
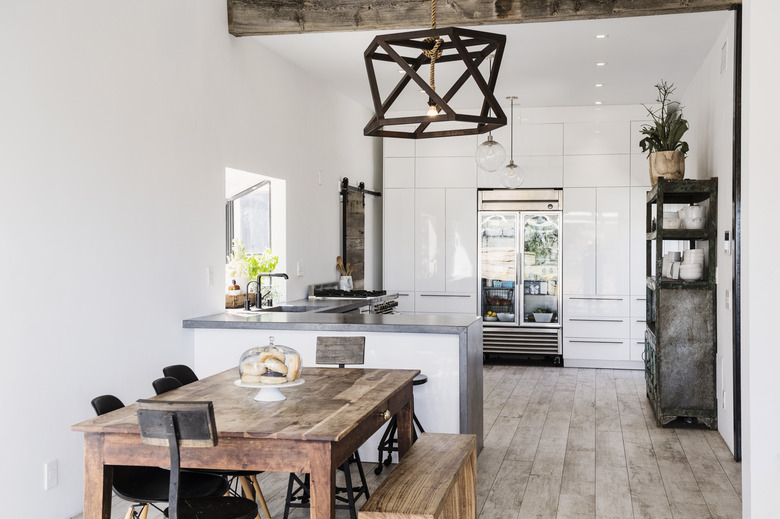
(545, 64)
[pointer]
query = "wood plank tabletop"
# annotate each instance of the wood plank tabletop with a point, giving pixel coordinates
(330, 403)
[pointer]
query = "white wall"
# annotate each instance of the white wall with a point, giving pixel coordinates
(708, 105)
(760, 274)
(117, 122)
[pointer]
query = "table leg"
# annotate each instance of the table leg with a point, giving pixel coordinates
(323, 483)
(404, 422)
(97, 479)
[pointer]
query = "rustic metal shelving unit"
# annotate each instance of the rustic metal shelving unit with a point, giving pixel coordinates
(681, 336)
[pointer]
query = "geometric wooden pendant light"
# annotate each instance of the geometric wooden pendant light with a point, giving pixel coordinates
(410, 51)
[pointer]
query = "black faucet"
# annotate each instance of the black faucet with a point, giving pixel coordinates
(260, 295)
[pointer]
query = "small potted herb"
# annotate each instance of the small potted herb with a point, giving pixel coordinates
(663, 139)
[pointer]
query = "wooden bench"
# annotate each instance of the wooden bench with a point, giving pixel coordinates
(437, 479)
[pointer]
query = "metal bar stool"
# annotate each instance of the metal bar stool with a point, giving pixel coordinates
(389, 441)
(341, 351)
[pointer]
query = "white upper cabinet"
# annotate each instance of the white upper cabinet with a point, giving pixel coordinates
(579, 241)
(637, 236)
(597, 170)
(435, 172)
(461, 146)
(429, 238)
(398, 240)
(538, 139)
(612, 249)
(393, 147)
(398, 172)
(461, 240)
(606, 138)
(640, 171)
(539, 171)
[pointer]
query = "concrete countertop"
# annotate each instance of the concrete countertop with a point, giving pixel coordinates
(329, 319)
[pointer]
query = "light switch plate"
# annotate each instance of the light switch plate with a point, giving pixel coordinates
(299, 268)
(51, 475)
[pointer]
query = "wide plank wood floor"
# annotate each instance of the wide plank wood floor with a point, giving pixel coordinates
(578, 443)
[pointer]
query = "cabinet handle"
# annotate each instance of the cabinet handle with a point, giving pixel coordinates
(641, 299)
(598, 298)
(444, 295)
(641, 321)
(402, 295)
(598, 320)
(597, 342)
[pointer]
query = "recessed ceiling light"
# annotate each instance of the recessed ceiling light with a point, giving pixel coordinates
(601, 63)
(598, 85)
(598, 102)
(602, 36)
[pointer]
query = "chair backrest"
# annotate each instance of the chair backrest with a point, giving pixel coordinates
(165, 384)
(171, 424)
(340, 350)
(183, 373)
(106, 403)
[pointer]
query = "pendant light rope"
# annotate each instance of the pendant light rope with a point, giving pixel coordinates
(434, 53)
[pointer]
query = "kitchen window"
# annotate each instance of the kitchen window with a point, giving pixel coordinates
(248, 218)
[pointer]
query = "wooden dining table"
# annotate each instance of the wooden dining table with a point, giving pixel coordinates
(314, 430)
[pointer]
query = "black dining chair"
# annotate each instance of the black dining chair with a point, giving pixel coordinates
(340, 351)
(181, 372)
(247, 480)
(145, 486)
(172, 424)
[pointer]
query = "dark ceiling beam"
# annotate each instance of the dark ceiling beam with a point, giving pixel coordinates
(260, 17)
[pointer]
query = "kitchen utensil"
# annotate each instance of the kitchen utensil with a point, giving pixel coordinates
(345, 283)
(340, 266)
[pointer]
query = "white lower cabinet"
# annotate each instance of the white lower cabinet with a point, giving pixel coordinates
(405, 301)
(598, 332)
(445, 303)
(583, 352)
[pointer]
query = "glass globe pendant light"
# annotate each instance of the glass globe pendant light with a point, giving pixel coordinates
(512, 175)
(490, 155)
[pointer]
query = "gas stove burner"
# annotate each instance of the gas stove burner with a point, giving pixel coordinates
(332, 292)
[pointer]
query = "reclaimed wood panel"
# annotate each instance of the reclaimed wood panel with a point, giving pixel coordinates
(258, 17)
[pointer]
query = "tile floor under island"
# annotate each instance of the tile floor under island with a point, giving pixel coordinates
(578, 443)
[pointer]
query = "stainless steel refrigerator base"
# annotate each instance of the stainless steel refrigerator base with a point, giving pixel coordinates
(517, 340)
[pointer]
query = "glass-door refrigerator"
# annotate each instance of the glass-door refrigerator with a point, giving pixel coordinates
(519, 276)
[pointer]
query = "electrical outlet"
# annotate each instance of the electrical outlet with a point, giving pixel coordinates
(51, 476)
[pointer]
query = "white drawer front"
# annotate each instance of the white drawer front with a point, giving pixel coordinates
(405, 302)
(445, 303)
(602, 327)
(597, 349)
(637, 349)
(638, 327)
(638, 306)
(596, 306)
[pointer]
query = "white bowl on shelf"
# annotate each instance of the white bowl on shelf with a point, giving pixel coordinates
(671, 214)
(540, 317)
(505, 317)
(672, 223)
(692, 275)
(694, 223)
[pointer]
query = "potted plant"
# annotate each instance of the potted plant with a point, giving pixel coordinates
(663, 139)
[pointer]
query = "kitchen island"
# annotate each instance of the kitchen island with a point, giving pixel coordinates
(446, 348)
